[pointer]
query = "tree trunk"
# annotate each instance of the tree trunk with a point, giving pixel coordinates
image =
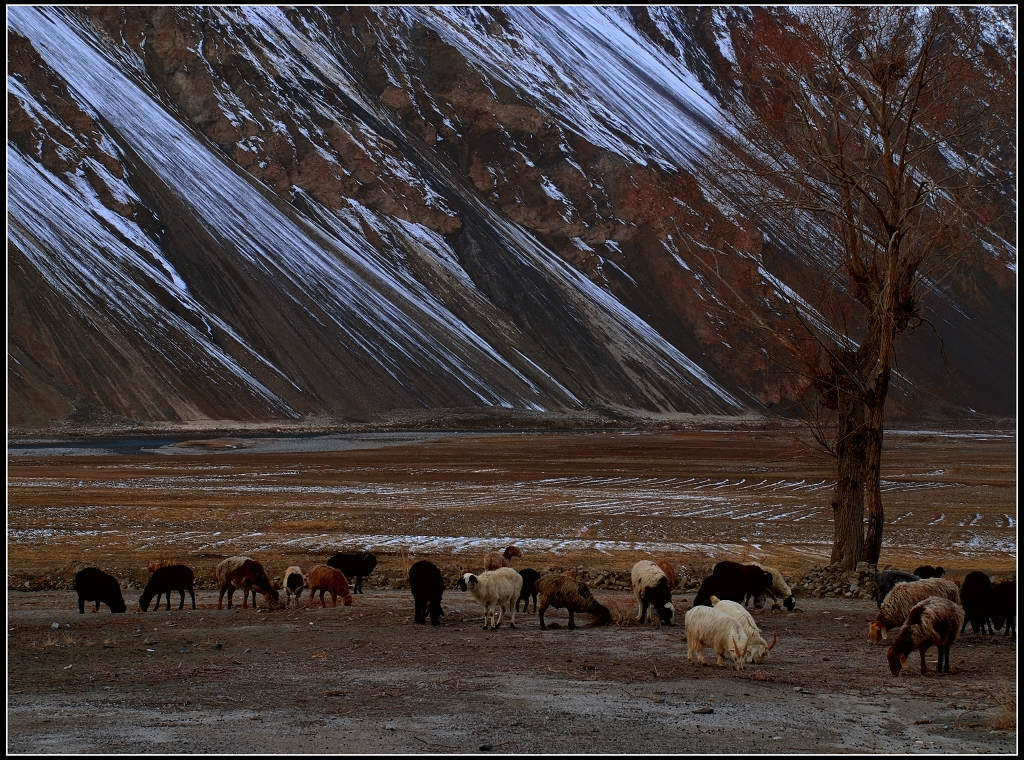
(848, 500)
(874, 510)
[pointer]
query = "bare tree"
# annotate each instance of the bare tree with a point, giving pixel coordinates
(883, 131)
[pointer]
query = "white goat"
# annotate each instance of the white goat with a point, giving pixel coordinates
(706, 626)
(757, 647)
(497, 590)
(652, 589)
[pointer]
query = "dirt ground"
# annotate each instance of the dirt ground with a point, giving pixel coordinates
(366, 679)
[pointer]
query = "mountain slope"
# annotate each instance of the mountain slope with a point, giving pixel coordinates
(258, 213)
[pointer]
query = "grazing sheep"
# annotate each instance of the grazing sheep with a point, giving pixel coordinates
(356, 565)
(651, 589)
(561, 591)
(933, 620)
(494, 560)
(529, 590)
(247, 574)
(930, 571)
(898, 603)
(497, 590)
(427, 586)
(293, 581)
(1003, 607)
(975, 596)
(710, 627)
(165, 579)
(94, 585)
(886, 580)
(731, 580)
(778, 590)
(324, 578)
(757, 647)
(670, 572)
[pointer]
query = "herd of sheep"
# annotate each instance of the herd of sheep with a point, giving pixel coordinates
(927, 609)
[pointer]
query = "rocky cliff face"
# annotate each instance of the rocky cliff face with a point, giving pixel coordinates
(272, 213)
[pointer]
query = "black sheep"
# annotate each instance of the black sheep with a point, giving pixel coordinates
(1003, 607)
(731, 580)
(529, 589)
(166, 579)
(886, 580)
(354, 565)
(427, 587)
(94, 585)
(975, 596)
(930, 571)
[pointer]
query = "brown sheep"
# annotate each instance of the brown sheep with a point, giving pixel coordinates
(247, 574)
(324, 578)
(903, 597)
(556, 590)
(933, 620)
(494, 560)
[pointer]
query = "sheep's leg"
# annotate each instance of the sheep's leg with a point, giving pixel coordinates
(924, 666)
(540, 615)
(334, 598)
(181, 604)
(512, 612)
(169, 600)
(97, 609)
(81, 605)
(220, 599)
(572, 620)
(323, 602)
(231, 595)
(498, 610)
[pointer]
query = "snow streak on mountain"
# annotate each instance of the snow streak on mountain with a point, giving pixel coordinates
(259, 213)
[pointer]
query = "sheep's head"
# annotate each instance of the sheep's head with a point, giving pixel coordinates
(896, 660)
(512, 551)
(468, 581)
(789, 603)
(667, 614)
(876, 632)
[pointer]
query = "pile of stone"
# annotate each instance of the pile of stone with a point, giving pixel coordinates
(835, 581)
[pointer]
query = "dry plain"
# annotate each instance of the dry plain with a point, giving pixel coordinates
(366, 679)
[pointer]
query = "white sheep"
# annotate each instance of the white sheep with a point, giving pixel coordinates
(496, 590)
(293, 581)
(779, 588)
(651, 588)
(707, 626)
(757, 647)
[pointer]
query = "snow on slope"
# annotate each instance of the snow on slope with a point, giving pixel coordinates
(356, 291)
